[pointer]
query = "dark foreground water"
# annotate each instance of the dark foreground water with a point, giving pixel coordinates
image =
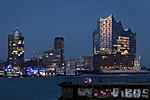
(40, 88)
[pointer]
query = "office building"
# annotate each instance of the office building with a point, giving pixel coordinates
(34, 62)
(16, 49)
(80, 63)
(59, 44)
(52, 59)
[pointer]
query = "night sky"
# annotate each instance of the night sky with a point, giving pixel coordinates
(40, 21)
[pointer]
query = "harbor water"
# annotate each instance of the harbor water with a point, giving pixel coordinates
(41, 88)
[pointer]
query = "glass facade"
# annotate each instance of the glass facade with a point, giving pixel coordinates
(111, 37)
(96, 42)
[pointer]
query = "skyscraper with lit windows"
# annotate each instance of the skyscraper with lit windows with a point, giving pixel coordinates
(110, 36)
(16, 48)
(113, 46)
(59, 44)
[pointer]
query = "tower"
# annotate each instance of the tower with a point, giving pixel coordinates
(59, 44)
(16, 48)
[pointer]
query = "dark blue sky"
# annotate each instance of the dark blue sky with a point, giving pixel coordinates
(40, 21)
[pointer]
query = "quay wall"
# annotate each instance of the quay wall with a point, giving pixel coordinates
(105, 90)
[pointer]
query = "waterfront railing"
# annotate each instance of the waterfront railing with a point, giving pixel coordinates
(107, 80)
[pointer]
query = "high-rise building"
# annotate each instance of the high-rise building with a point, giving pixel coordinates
(111, 37)
(16, 48)
(59, 44)
(113, 46)
(96, 44)
(52, 58)
(9, 46)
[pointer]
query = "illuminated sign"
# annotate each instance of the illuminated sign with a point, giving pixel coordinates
(87, 80)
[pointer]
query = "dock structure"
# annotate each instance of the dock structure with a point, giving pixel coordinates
(98, 88)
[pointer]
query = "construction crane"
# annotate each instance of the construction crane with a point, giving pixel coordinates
(36, 59)
(34, 52)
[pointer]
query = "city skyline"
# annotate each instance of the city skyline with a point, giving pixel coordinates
(73, 20)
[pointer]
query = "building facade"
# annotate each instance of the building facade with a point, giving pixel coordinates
(16, 49)
(111, 37)
(80, 63)
(70, 64)
(59, 44)
(34, 62)
(113, 61)
(137, 63)
(113, 46)
(96, 42)
(52, 59)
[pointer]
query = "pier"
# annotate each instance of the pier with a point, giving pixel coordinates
(104, 88)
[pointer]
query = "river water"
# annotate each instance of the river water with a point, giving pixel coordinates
(41, 88)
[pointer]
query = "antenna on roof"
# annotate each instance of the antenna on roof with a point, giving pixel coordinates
(16, 25)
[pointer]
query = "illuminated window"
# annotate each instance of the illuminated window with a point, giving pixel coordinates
(104, 57)
(54, 64)
(9, 44)
(19, 42)
(15, 51)
(102, 48)
(51, 54)
(125, 52)
(14, 44)
(58, 56)
(23, 42)
(10, 58)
